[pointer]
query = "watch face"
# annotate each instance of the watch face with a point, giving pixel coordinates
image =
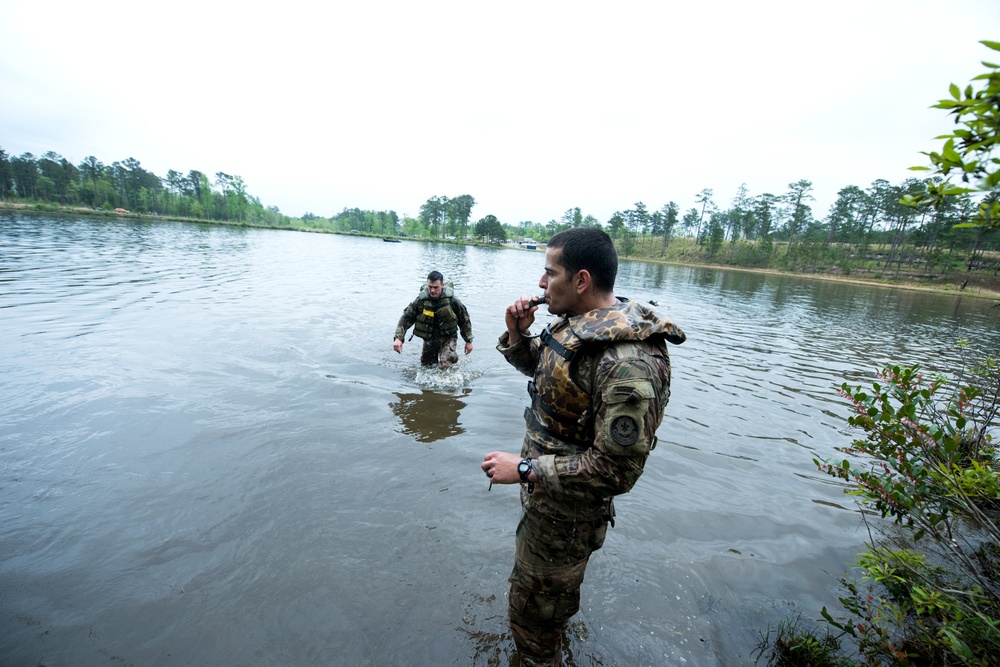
(523, 467)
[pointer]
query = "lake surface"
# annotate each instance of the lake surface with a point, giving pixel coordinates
(210, 454)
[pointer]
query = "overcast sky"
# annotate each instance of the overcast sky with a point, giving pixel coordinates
(530, 107)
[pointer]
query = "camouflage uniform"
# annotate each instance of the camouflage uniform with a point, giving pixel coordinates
(600, 383)
(437, 323)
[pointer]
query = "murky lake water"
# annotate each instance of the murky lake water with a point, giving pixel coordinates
(210, 454)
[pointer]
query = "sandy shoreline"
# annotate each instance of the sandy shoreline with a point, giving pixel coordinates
(940, 288)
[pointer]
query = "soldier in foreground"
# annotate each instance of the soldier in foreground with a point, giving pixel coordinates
(436, 316)
(601, 380)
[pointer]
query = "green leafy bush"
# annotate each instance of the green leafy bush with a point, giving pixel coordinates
(927, 587)
(928, 594)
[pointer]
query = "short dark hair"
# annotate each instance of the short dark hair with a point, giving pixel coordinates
(434, 276)
(588, 248)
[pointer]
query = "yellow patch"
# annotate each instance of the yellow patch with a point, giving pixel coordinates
(428, 313)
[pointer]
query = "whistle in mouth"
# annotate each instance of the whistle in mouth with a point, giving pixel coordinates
(536, 300)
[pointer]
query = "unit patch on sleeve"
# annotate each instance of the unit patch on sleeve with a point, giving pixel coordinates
(624, 430)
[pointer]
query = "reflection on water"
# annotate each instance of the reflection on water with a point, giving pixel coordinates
(429, 415)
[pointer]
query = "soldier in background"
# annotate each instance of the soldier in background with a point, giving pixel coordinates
(436, 316)
(601, 380)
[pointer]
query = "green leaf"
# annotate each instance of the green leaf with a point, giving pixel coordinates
(952, 191)
(955, 92)
(991, 44)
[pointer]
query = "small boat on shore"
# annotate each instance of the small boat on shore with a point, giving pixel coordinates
(389, 240)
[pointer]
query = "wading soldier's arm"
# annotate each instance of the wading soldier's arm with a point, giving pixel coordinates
(405, 322)
(464, 323)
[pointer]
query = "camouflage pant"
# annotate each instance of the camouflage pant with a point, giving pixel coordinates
(439, 352)
(549, 565)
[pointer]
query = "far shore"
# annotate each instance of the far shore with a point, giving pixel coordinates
(948, 287)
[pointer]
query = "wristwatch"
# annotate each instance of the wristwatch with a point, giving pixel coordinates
(523, 470)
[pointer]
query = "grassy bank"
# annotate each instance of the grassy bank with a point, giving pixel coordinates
(875, 265)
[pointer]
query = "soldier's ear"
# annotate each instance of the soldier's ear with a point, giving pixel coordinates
(582, 281)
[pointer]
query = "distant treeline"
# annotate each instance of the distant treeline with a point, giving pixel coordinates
(866, 229)
(867, 233)
(858, 218)
(53, 179)
(756, 230)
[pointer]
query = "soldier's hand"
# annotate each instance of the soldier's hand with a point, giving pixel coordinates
(519, 317)
(397, 345)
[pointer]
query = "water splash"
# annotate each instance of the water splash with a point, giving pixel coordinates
(455, 377)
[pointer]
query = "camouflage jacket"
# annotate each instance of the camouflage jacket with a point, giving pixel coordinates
(435, 319)
(600, 384)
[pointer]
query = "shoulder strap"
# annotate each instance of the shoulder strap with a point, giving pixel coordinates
(547, 338)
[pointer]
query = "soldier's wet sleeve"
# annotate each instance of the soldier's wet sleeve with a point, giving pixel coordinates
(522, 355)
(464, 321)
(407, 319)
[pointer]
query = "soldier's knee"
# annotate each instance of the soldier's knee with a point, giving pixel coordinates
(534, 607)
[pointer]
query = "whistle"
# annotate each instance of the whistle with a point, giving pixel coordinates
(536, 300)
